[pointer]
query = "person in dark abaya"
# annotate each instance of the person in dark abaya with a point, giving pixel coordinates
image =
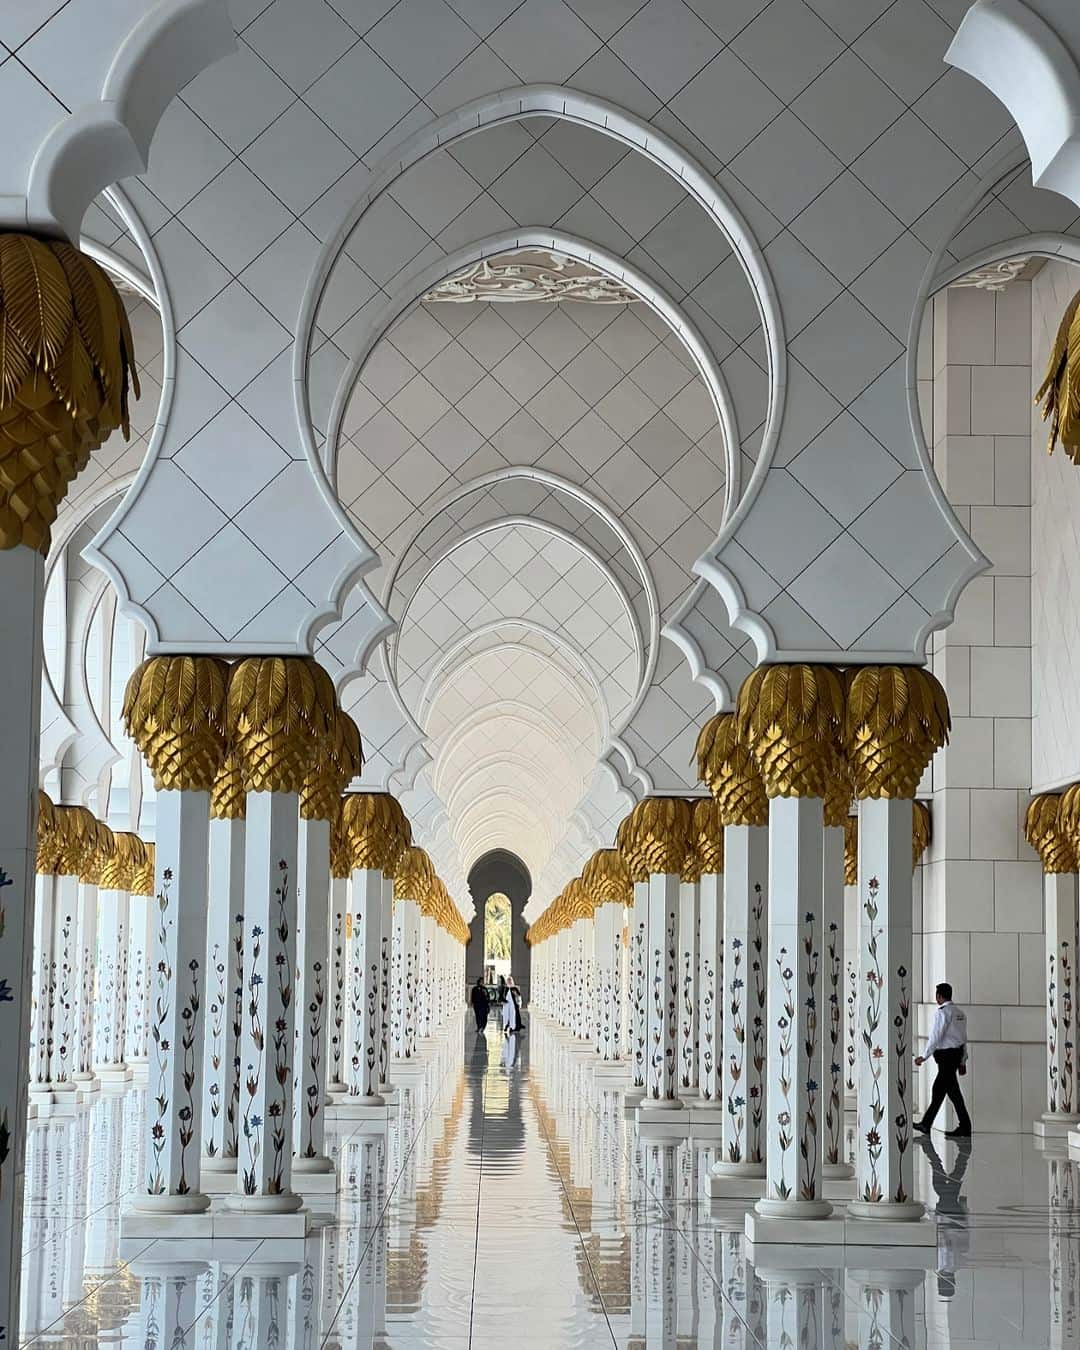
(481, 1005)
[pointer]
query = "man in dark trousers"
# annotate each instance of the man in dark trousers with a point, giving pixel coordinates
(481, 1004)
(948, 1045)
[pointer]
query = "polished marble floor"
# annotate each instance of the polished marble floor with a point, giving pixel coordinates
(508, 1203)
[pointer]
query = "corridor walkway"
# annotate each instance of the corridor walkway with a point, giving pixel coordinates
(508, 1204)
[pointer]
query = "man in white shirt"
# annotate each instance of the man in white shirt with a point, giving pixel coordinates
(948, 1045)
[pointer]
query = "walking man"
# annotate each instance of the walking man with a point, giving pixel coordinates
(948, 1045)
(480, 1004)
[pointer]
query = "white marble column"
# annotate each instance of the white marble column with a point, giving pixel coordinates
(43, 1002)
(225, 972)
(609, 930)
(109, 1063)
(339, 908)
(87, 984)
(743, 1084)
(137, 1010)
(21, 603)
(662, 1022)
(794, 1135)
(178, 990)
(710, 990)
(851, 957)
(1062, 1088)
(638, 991)
(65, 961)
(883, 1157)
(426, 978)
(365, 965)
(313, 960)
(267, 1036)
(689, 991)
(833, 999)
(412, 881)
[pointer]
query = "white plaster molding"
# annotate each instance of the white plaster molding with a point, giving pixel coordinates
(416, 284)
(98, 144)
(1012, 49)
(987, 260)
(700, 672)
(598, 115)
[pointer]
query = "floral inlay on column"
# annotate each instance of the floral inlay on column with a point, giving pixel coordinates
(707, 831)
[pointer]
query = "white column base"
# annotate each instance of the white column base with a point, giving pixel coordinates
(289, 1203)
(218, 1183)
(609, 1069)
(919, 1232)
(723, 1187)
(796, 1210)
(357, 1108)
(884, 1211)
(1074, 1143)
(113, 1075)
(800, 1230)
(315, 1184)
(1054, 1125)
(837, 1171)
(140, 1070)
(663, 1119)
(212, 1226)
(312, 1167)
(705, 1124)
(198, 1203)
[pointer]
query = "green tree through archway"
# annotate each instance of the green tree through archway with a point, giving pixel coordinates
(497, 928)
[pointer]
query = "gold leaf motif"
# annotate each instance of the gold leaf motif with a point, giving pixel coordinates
(228, 800)
(607, 878)
(896, 717)
(1059, 392)
(174, 710)
(49, 842)
(66, 355)
(143, 881)
(414, 876)
(120, 872)
(375, 831)
(658, 836)
(1052, 828)
(279, 713)
(851, 851)
(338, 761)
(730, 772)
(707, 832)
(920, 831)
(790, 717)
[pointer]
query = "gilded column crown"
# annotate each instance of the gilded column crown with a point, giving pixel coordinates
(340, 862)
(228, 800)
(920, 831)
(790, 717)
(894, 720)
(838, 793)
(661, 830)
(1059, 392)
(174, 711)
(337, 763)
(375, 830)
(626, 841)
(120, 870)
(707, 832)
(579, 901)
(851, 851)
(77, 829)
(414, 875)
(49, 841)
(143, 880)
(278, 713)
(1050, 830)
(728, 769)
(66, 356)
(607, 878)
(99, 854)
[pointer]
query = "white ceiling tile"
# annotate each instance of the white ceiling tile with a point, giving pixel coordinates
(845, 348)
(726, 297)
(360, 98)
(417, 474)
(523, 372)
(660, 443)
(888, 286)
(181, 254)
(626, 408)
(584, 153)
(849, 20)
(174, 614)
(847, 106)
(480, 73)
(557, 407)
(906, 47)
(239, 96)
(844, 590)
(234, 337)
(278, 276)
(692, 410)
(666, 44)
(964, 114)
(435, 190)
(625, 476)
(23, 17)
(543, 41)
(637, 194)
(591, 442)
(845, 468)
(491, 151)
(299, 39)
(418, 406)
(748, 105)
(695, 478)
(289, 520)
(488, 338)
(846, 227)
(299, 157)
(231, 458)
(522, 440)
(235, 216)
(786, 166)
(355, 473)
(901, 515)
(419, 336)
(592, 373)
(787, 528)
(169, 495)
(453, 372)
(787, 46)
(422, 41)
(908, 167)
(557, 338)
(229, 581)
(184, 156)
(452, 440)
(484, 16)
(70, 51)
(805, 287)
(687, 244)
(535, 189)
(627, 340)
(660, 511)
(383, 439)
(883, 409)
(488, 406)
(385, 240)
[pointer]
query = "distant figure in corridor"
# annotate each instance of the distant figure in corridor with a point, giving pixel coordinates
(948, 1045)
(500, 992)
(481, 1004)
(511, 1019)
(513, 995)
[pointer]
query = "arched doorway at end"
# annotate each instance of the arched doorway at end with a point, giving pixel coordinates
(500, 873)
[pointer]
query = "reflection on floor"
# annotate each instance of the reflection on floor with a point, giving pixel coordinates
(509, 1204)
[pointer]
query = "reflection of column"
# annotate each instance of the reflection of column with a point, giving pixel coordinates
(887, 1301)
(375, 832)
(137, 1012)
(836, 812)
(1064, 1255)
(426, 977)
(659, 834)
(320, 806)
(1051, 825)
(708, 835)
(804, 1306)
(280, 715)
(731, 774)
(168, 1300)
(895, 718)
(225, 971)
(662, 1244)
(791, 716)
(174, 709)
(851, 956)
(96, 858)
